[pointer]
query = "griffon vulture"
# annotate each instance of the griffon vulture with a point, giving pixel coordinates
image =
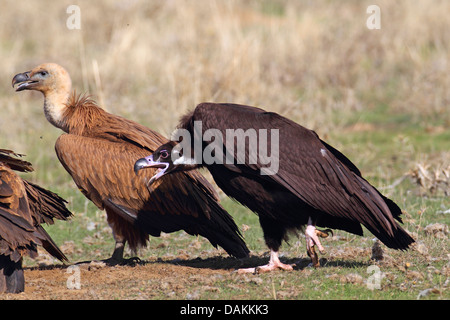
(294, 180)
(99, 149)
(23, 208)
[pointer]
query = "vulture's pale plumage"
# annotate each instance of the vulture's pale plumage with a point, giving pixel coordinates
(99, 149)
(24, 206)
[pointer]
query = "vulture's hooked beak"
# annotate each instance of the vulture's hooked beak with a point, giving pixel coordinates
(148, 162)
(24, 81)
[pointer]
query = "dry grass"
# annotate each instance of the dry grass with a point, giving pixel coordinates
(306, 60)
(433, 176)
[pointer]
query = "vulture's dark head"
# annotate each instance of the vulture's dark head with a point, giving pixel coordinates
(167, 158)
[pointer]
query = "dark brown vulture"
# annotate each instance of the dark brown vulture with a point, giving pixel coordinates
(23, 208)
(99, 149)
(306, 182)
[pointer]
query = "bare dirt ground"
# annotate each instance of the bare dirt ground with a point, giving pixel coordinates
(422, 271)
(213, 278)
(159, 279)
(141, 281)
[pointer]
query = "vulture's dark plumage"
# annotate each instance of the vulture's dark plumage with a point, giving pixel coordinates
(23, 208)
(312, 184)
(98, 149)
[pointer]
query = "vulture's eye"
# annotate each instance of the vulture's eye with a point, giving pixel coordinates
(43, 73)
(164, 154)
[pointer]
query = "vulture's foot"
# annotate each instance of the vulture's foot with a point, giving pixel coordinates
(274, 263)
(312, 239)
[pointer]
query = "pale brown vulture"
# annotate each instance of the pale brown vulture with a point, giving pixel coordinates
(23, 208)
(99, 149)
(306, 182)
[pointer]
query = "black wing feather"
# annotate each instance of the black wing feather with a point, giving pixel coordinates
(314, 171)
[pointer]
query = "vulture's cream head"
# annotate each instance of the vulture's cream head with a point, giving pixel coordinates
(54, 82)
(48, 78)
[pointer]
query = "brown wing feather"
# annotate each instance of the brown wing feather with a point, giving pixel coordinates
(99, 152)
(23, 208)
(17, 236)
(103, 171)
(45, 205)
(10, 158)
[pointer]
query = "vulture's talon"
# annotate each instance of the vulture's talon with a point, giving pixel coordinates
(324, 233)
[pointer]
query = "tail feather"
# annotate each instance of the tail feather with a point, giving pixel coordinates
(45, 204)
(382, 222)
(400, 240)
(49, 245)
(396, 237)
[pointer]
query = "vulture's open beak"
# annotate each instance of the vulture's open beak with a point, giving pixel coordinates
(148, 162)
(24, 81)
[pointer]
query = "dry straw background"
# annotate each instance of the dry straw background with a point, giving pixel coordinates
(304, 59)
